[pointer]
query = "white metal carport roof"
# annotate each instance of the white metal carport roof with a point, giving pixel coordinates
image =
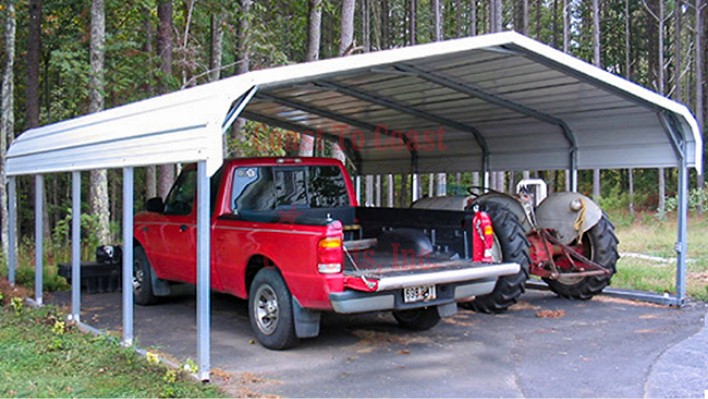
(503, 102)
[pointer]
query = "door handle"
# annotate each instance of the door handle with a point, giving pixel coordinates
(183, 227)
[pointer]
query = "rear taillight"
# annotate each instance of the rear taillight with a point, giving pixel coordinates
(329, 255)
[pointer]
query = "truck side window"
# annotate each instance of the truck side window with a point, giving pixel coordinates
(181, 198)
(252, 189)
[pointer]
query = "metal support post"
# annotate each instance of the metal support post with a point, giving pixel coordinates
(574, 180)
(414, 186)
(681, 244)
(203, 269)
(76, 246)
(128, 257)
(12, 239)
(357, 182)
(38, 237)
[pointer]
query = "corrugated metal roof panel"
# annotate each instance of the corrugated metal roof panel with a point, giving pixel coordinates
(503, 93)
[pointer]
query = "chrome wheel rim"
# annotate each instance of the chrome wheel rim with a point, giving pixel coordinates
(266, 309)
(138, 276)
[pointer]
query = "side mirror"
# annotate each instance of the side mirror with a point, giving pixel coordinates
(155, 205)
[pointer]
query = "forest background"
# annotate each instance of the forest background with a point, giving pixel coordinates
(65, 58)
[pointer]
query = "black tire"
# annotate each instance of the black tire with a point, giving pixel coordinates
(514, 248)
(142, 278)
(270, 310)
(603, 250)
(418, 319)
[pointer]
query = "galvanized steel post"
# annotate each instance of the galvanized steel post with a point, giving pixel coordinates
(681, 244)
(76, 246)
(12, 238)
(128, 256)
(357, 182)
(203, 269)
(38, 237)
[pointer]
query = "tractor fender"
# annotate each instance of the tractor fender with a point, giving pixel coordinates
(556, 213)
(507, 201)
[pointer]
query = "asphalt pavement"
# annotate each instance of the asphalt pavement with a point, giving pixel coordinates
(544, 346)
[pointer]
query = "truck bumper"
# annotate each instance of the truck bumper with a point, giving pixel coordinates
(451, 285)
(351, 301)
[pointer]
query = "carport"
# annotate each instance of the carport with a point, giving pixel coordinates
(486, 103)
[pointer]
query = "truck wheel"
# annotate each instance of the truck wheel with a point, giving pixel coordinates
(142, 278)
(600, 245)
(513, 246)
(270, 310)
(418, 319)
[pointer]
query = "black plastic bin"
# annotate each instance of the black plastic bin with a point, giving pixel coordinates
(96, 277)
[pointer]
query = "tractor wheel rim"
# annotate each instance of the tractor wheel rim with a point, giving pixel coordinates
(266, 309)
(589, 253)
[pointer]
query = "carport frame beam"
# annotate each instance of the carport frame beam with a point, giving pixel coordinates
(445, 81)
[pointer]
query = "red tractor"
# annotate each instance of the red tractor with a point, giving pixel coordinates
(563, 238)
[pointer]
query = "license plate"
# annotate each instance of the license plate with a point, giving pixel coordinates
(419, 294)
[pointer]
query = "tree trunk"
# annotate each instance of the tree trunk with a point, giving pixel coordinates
(555, 24)
(630, 177)
(662, 193)
(150, 171)
(243, 65)
(366, 24)
(538, 19)
(627, 74)
(412, 20)
(566, 26)
(678, 87)
(596, 60)
(473, 17)
(662, 86)
(98, 196)
(700, 51)
(217, 45)
(7, 117)
(369, 190)
(378, 191)
(346, 40)
(34, 44)
(385, 28)
(495, 25)
(166, 173)
(312, 53)
(440, 178)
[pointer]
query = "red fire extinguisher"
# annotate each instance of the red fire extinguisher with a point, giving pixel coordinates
(482, 237)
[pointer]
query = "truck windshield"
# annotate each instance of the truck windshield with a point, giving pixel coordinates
(278, 187)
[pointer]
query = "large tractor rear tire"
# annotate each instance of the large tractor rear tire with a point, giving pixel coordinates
(512, 246)
(600, 246)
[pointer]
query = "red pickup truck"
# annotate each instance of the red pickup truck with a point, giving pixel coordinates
(287, 235)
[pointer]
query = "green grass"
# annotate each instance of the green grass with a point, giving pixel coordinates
(646, 235)
(38, 358)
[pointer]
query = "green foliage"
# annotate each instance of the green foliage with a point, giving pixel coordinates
(80, 365)
(696, 197)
